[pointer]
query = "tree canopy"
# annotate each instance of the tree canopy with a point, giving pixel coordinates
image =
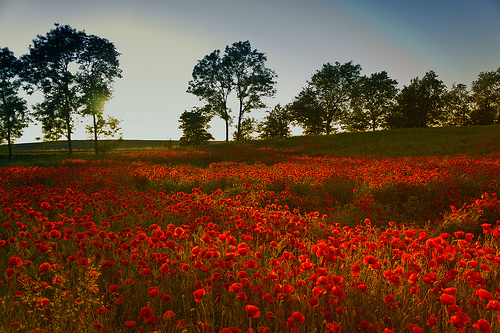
(72, 70)
(13, 110)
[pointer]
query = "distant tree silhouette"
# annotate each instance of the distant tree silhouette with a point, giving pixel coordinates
(420, 104)
(212, 82)
(107, 128)
(326, 99)
(275, 124)
(99, 66)
(194, 126)
(307, 112)
(458, 106)
(13, 110)
(252, 79)
(72, 70)
(372, 100)
(50, 67)
(486, 94)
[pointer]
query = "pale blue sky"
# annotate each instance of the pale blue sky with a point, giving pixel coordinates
(161, 41)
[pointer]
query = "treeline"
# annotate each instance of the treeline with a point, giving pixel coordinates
(336, 98)
(75, 73)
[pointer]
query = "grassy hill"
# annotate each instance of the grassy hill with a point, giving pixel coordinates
(452, 141)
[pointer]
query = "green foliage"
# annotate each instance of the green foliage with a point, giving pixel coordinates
(326, 99)
(419, 104)
(252, 79)
(13, 116)
(241, 69)
(107, 128)
(247, 127)
(275, 124)
(372, 100)
(486, 93)
(194, 126)
(72, 70)
(458, 106)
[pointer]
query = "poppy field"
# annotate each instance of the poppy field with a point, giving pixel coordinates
(251, 239)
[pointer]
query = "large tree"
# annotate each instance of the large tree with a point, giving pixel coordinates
(373, 98)
(13, 116)
(212, 82)
(327, 98)
(486, 92)
(99, 66)
(252, 79)
(52, 68)
(420, 104)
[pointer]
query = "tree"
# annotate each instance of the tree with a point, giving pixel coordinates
(419, 104)
(252, 79)
(99, 66)
(13, 116)
(486, 93)
(327, 98)
(247, 127)
(275, 124)
(105, 128)
(194, 125)
(373, 98)
(307, 112)
(50, 67)
(212, 82)
(458, 102)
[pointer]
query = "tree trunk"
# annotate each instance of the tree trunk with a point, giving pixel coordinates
(240, 117)
(9, 129)
(96, 149)
(68, 135)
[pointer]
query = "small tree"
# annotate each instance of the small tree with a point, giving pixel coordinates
(486, 92)
(247, 127)
(13, 117)
(99, 66)
(194, 125)
(275, 124)
(307, 112)
(105, 128)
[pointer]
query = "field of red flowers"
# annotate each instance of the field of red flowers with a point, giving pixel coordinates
(200, 241)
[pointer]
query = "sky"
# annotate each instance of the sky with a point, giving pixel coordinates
(160, 42)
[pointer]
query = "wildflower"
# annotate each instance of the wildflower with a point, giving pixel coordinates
(364, 325)
(113, 288)
(129, 324)
(483, 325)
(146, 311)
(493, 304)
(44, 267)
(253, 311)
(483, 294)
(153, 291)
(169, 314)
(447, 299)
(298, 317)
(198, 294)
(15, 261)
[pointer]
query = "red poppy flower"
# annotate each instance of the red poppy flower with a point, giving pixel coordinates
(44, 267)
(153, 292)
(447, 299)
(298, 317)
(102, 310)
(253, 311)
(370, 260)
(483, 325)
(364, 325)
(483, 294)
(15, 261)
(431, 321)
(147, 311)
(493, 304)
(113, 288)
(198, 294)
(129, 324)
(168, 314)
